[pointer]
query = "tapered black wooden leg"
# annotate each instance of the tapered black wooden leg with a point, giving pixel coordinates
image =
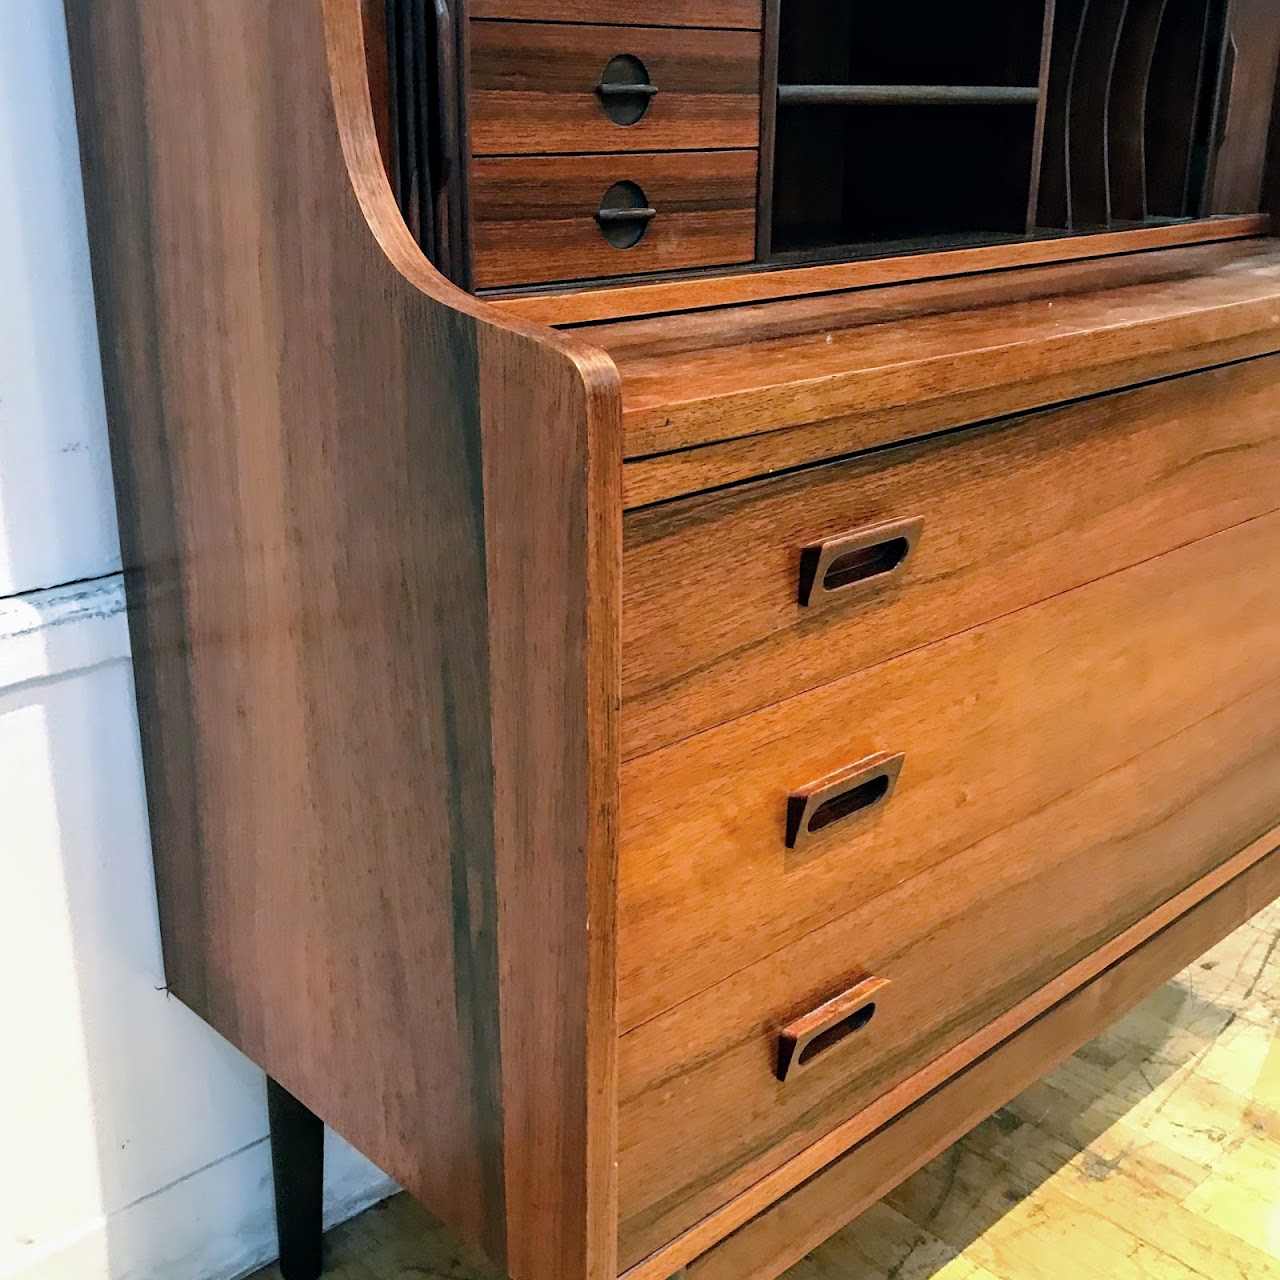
(297, 1167)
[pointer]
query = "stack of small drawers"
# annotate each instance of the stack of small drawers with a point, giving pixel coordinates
(604, 149)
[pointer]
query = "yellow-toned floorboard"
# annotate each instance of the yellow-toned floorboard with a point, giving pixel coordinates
(1152, 1154)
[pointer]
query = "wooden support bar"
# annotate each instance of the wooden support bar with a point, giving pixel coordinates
(892, 95)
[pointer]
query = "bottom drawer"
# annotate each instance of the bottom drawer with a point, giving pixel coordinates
(704, 1114)
(839, 1191)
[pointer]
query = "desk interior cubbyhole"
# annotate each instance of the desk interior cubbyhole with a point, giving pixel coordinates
(878, 176)
(925, 42)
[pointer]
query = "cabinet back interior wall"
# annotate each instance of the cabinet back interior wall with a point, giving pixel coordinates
(544, 150)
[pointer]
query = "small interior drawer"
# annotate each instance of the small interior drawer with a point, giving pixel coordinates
(705, 1114)
(740, 840)
(741, 14)
(545, 218)
(538, 88)
(720, 615)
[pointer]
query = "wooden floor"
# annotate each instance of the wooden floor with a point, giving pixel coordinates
(1153, 1154)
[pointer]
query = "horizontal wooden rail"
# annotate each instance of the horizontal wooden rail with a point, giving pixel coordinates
(891, 95)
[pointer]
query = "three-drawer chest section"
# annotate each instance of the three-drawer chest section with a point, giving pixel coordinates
(909, 735)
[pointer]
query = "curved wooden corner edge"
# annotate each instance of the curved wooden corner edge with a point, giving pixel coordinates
(353, 110)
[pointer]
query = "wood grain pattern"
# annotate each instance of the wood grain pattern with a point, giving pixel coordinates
(335, 517)
(374, 544)
(535, 216)
(585, 304)
(661, 477)
(995, 722)
(1246, 136)
(817, 1156)
(701, 329)
(1013, 513)
(736, 14)
(533, 88)
(1154, 1144)
(818, 1208)
(739, 373)
(704, 1119)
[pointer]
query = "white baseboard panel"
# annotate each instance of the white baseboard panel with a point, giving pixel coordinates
(132, 1138)
(215, 1224)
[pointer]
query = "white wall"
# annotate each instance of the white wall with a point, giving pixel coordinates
(132, 1138)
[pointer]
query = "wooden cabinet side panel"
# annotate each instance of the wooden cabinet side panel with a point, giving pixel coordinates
(372, 541)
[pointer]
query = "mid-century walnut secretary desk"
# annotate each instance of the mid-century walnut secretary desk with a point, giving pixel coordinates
(705, 575)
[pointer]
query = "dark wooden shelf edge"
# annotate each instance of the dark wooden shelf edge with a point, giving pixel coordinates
(582, 303)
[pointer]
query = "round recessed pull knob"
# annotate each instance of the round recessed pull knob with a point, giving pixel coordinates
(625, 90)
(624, 215)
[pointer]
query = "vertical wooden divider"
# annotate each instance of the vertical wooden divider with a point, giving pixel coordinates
(454, 65)
(1055, 169)
(1127, 113)
(768, 128)
(1175, 91)
(1090, 112)
(1042, 108)
(421, 34)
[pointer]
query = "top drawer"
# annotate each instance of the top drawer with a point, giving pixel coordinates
(743, 14)
(993, 519)
(556, 87)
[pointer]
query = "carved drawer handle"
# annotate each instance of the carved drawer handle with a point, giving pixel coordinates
(865, 557)
(818, 1033)
(618, 89)
(624, 215)
(625, 89)
(855, 792)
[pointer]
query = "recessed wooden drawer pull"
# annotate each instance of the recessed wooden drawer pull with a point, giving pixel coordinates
(851, 793)
(862, 558)
(817, 1033)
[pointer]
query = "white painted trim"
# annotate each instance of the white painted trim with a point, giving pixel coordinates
(62, 630)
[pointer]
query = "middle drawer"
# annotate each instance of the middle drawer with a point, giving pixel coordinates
(1009, 513)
